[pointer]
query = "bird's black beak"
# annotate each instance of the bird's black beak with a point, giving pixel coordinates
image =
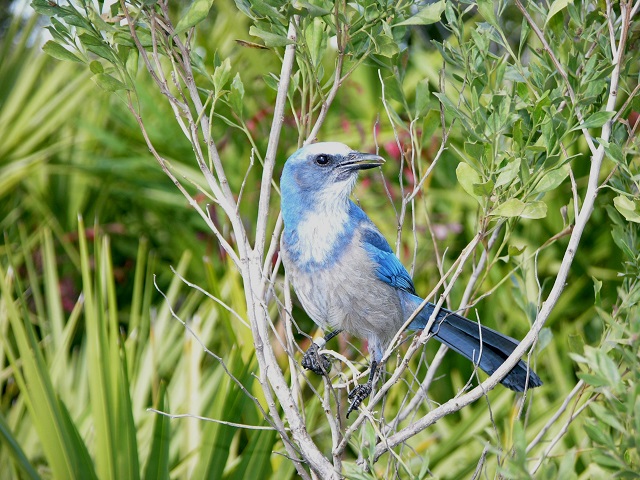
(361, 161)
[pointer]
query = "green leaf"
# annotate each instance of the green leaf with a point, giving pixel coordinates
(270, 39)
(268, 12)
(597, 435)
(270, 81)
(221, 76)
(108, 83)
(386, 45)
(607, 368)
(97, 45)
(59, 439)
(508, 173)
(544, 338)
(556, 6)
(483, 189)
(393, 89)
(14, 449)
(316, 39)
(636, 416)
(43, 7)
(422, 98)
(511, 208)
(158, 462)
(457, 113)
(96, 67)
(597, 287)
(237, 94)
(534, 210)
(630, 209)
(308, 9)
(606, 416)
(429, 14)
(198, 11)
(551, 180)
(515, 207)
(576, 343)
(596, 120)
(567, 466)
(485, 8)
(468, 177)
(607, 461)
(475, 150)
(59, 52)
(613, 151)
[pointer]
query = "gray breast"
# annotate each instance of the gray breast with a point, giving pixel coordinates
(348, 295)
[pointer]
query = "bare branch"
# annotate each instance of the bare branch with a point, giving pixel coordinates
(274, 136)
(579, 388)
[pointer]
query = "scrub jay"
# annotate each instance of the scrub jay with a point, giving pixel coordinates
(347, 277)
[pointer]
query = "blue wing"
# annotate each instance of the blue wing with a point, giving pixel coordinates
(389, 268)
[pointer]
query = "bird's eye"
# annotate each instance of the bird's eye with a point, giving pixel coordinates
(322, 160)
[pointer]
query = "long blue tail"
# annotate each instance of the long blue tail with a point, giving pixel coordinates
(463, 336)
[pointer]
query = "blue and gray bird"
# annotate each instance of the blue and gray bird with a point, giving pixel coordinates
(347, 277)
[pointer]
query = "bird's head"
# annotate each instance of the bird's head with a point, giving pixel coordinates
(323, 173)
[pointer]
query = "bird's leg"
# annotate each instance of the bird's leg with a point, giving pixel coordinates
(311, 360)
(361, 392)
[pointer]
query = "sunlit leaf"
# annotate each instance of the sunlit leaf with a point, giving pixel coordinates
(427, 15)
(630, 209)
(197, 12)
(221, 75)
(468, 177)
(485, 8)
(534, 210)
(511, 208)
(556, 6)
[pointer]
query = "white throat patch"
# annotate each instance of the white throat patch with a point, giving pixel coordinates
(321, 226)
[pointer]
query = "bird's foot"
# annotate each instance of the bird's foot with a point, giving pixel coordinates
(358, 395)
(312, 360)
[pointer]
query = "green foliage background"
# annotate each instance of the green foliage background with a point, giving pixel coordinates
(91, 225)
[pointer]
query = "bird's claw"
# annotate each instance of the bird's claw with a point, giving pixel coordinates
(312, 360)
(358, 395)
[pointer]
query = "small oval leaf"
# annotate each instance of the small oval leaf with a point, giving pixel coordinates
(596, 120)
(108, 83)
(197, 12)
(59, 52)
(629, 209)
(511, 208)
(468, 177)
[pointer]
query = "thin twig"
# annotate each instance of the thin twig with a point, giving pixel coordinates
(208, 419)
(579, 388)
(561, 433)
